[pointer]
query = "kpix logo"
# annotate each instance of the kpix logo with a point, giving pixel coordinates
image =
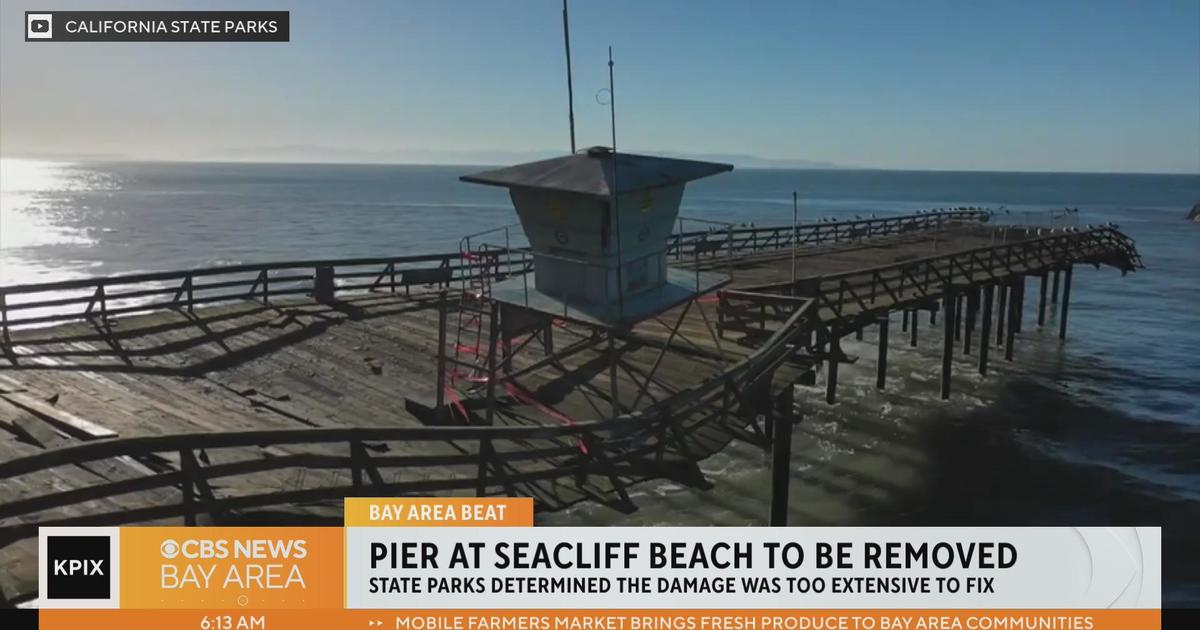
(78, 567)
(39, 26)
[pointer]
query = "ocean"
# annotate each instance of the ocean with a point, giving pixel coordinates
(1101, 430)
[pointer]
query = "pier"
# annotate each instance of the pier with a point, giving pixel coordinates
(266, 393)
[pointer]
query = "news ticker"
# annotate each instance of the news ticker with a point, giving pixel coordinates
(479, 564)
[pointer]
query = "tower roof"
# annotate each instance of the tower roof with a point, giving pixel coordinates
(590, 172)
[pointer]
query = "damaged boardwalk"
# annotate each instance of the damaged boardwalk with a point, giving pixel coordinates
(230, 396)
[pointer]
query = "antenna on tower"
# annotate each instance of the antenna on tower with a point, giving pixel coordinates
(612, 108)
(570, 88)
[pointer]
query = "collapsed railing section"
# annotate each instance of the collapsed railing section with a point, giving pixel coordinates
(650, 442)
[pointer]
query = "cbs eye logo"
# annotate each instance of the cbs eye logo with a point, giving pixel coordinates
(39, 26)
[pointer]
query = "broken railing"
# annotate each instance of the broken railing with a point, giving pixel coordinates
(482, 459)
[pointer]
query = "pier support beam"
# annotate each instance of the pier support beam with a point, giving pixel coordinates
(1042, 299)
(1066, 302)
(985, 336)
(1001, 313)
(831, 373)
(972, 311)
(948, 343)
(881, 364)
(493, 340)
(912, 332)
(904, 321)
(958, 311)
(1014, 310)
(781, 456)
(1018, 299)
(612, 374)
(440, 414)
(1054, 289)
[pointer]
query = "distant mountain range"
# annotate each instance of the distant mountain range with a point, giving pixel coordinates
(314, 153)
(317, 154)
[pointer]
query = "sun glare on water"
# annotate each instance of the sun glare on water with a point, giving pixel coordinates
(34, 197)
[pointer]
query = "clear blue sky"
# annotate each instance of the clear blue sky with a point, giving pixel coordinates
(1005, 85)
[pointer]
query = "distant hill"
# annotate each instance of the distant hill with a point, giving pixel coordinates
(321, 154)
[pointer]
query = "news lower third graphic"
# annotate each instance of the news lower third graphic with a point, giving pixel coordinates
(480, 564)
(157, 26)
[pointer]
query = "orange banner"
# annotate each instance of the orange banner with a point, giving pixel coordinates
(231, 567)
(603, 619)
(439, 512)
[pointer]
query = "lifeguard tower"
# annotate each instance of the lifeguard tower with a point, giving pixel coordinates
(598, 225)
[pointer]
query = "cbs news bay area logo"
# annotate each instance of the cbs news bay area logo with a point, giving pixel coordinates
(192, 564)
(82, 567)
(157, 26)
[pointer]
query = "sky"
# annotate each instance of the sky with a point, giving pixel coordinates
(1087, 85)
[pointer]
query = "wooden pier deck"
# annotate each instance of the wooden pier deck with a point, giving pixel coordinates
(233, 406)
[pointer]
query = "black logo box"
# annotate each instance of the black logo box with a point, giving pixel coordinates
(71, 567)
(61, 20)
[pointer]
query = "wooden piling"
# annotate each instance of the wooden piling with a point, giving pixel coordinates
(441, 357)
(1014, 309)
(985, 335)
(781, 456)
(1001, 313)
(904, 321)
(1018, 300)
(948, 343)
(1054, 289)
(912, 331)
(1066, 301)
(881, 364)
(612, 374)
(969, 325)
(1042, 300)
(831, 374)
(958, 312)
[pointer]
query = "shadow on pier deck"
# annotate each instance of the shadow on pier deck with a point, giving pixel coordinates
(227, 405)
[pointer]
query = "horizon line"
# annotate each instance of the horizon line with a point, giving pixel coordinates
(135, 160)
